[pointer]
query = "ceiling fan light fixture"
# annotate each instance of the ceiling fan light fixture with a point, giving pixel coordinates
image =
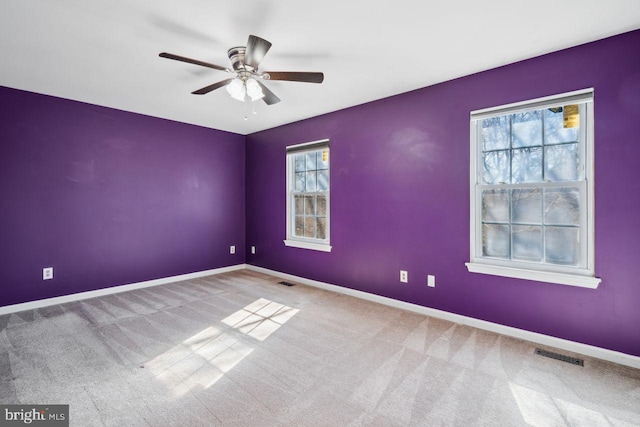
(237, 89)
(245, 62)
(254, 90)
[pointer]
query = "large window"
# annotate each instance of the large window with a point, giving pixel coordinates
(532, 190)
(308, 196)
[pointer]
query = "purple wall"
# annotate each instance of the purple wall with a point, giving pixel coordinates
(108, 197)
(400, 197)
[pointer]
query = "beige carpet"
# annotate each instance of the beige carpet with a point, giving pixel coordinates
(240, 349)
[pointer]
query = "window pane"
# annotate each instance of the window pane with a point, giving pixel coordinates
(562, 206)
(495, 206)
(562, 162)
(310, 181)
(310, 160)
(495, 240)
(299, 205)
(321, 206)
(308, 176)
(527, 128)
(309, 205)
(526, 206)
(554, 130)
(322, 159)
(299, 163)
(321, 226)
(309, 227)
(495, 133)
(562, 245)
(495, 167)
(323, 180)
(299, 182)
(299, 226)
(527, 165)
(527, 242)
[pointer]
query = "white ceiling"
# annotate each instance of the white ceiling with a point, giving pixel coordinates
(106, 52)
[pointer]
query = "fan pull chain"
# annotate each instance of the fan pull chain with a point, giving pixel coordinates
(253, 110)
(246, 109)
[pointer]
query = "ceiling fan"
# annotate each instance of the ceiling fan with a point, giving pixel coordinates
(247, 82)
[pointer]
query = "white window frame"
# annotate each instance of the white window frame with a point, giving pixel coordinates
(583, 276)
(292, 240)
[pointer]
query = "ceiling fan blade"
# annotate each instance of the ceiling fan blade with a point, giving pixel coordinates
(296, 76)
(191, 61)
(257, 48)
(212, 87)
(270, 98)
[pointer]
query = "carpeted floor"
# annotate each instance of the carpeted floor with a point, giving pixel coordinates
(240, 349)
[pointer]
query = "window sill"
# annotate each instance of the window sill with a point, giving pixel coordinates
(323, 247)
(540, 276)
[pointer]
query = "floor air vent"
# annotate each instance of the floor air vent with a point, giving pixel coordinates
(561, 357)
(285, 283)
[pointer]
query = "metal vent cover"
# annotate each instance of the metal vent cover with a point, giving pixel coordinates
(561, 357)
(285, 283)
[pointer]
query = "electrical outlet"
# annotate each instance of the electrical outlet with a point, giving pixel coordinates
(404, 276)
(47, 273)
(431, 281)
(232, 250)
(253, 250)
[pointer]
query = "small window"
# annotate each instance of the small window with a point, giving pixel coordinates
(308, 196)
(532, 190)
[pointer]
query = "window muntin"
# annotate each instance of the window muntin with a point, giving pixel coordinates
(532, 190)
(308, 196)
(533, 146)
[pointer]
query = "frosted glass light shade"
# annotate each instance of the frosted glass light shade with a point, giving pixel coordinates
(254, 90)
(236, 89)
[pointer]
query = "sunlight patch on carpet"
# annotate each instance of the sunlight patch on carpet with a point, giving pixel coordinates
(540, 409)
(261, 318)
(202, 359)
(199, 362)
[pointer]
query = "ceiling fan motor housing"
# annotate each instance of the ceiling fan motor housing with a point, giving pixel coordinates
(236, 56)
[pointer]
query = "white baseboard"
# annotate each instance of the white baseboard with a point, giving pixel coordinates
(114, 290)
(587, 350)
